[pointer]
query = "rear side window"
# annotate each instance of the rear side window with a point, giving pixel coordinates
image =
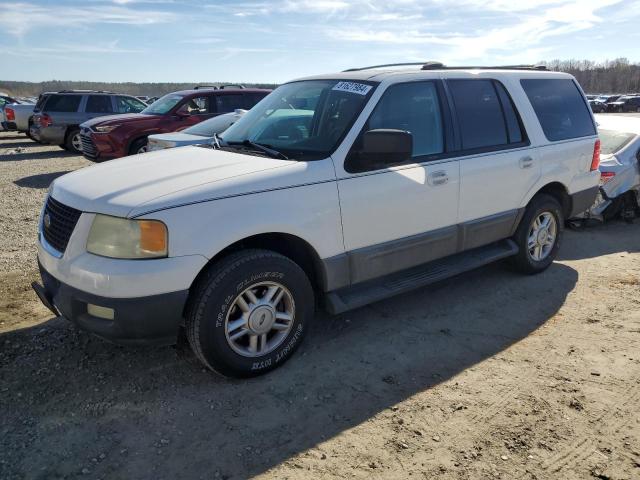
(41, 101)
(63, 103)
(228, 103)
(479, 113)
(561, 109)
(99, 104)
(250, 99)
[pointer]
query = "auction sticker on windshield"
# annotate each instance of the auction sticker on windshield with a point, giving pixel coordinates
(359, 88)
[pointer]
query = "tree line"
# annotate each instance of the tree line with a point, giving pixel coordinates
(612, 76)
(33, 89)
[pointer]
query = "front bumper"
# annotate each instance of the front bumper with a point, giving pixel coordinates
(150, 320)
(98, 147)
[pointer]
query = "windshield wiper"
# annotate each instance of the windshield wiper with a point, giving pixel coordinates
(263, 148)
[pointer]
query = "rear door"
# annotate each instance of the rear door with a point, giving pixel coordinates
(497, 164)
(400, 216)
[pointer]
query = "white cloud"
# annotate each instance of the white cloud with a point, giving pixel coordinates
(19, 18)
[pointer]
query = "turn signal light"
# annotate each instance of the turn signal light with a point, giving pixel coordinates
(595, 161)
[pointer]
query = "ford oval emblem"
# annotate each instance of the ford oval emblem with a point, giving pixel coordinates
(47, 220)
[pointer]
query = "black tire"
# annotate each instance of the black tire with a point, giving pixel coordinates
(212, 302)
(69, 139)
(137, 145)
(523, 261)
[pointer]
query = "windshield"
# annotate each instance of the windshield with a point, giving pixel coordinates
(214, 125)
(304, 120)
(162, 105)
(612, 141)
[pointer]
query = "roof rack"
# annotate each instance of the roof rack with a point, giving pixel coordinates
(217, 87)
(82, 91)
(441, 66)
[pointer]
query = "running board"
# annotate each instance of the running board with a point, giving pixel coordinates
(371, 291)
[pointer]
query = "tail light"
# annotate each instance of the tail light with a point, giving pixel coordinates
(606, 176)
(46, 121)
(595, 161)
(9, 114)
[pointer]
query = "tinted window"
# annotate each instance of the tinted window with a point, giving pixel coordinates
(412, 107)
(99, 104)
(560, 107)
(479, 113)
(63, 103)
(250, 99)
(228, 103)
(129, 105)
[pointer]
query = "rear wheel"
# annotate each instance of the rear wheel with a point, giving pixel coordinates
(249, 313)
(72, 141)
(538, 235)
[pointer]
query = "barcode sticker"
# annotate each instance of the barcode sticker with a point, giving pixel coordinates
(351, 87)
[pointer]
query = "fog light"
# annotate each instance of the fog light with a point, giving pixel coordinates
(100, 312)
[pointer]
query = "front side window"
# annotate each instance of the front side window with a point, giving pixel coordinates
(129, 105)
(304, 120)
(63, 103)
(99, 104)
(560, 107)
(195, 106)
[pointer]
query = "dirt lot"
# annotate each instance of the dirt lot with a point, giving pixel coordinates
(489, 375)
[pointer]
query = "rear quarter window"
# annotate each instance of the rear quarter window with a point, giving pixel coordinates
(560, 107)
(63, 103)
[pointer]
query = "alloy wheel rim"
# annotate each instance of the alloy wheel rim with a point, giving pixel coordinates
(76, 143)
(542, 236)
(259, 319)
(142, 149)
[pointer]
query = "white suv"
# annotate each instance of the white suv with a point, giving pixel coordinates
(339, 189)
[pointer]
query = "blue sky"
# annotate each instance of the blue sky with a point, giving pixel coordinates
(274, 41)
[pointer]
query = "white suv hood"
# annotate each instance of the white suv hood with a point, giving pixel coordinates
(139, 184)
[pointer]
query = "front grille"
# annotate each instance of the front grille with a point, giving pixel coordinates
(87, 145)
(58, 222)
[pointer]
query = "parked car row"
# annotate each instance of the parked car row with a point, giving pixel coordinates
(104, 125)
(614, 103)
(336, 190)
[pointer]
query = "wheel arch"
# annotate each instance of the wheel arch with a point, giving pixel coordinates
(291, 246)
(560, 192)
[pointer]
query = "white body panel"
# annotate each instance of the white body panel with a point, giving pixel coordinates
(210, 199)
(22, 112)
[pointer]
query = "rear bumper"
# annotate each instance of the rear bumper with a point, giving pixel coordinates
(150, 320)
(10, 126)
(583, 200)
(49, 135)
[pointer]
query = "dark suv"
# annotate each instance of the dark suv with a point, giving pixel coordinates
(627, 103)
(61, 113)
(113, 137)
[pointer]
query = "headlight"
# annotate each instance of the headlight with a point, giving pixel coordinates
(128, 239)
(105, 128)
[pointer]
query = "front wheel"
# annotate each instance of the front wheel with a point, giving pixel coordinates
(249, 313)
(538, 235)
(139, 146)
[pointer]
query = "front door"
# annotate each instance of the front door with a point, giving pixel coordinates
(403, 215)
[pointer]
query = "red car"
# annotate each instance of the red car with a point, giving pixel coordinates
(105, 138)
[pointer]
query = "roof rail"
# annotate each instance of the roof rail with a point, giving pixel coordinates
(82, 91)
(222, 87)
(217, 87)
(440, 66)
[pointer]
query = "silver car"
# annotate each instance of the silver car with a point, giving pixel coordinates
(198, 134)
(619, 168)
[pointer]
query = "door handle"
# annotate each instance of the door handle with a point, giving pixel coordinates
(526, 162)
(438, 178)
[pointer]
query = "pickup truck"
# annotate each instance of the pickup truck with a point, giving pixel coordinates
(4, 100)
(17, 117)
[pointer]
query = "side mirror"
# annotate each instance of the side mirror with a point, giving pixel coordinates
(384, 147)
(182, 112)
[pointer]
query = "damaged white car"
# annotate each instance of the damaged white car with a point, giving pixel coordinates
(619, 167)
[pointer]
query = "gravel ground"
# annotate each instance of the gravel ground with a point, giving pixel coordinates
(488, 375)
